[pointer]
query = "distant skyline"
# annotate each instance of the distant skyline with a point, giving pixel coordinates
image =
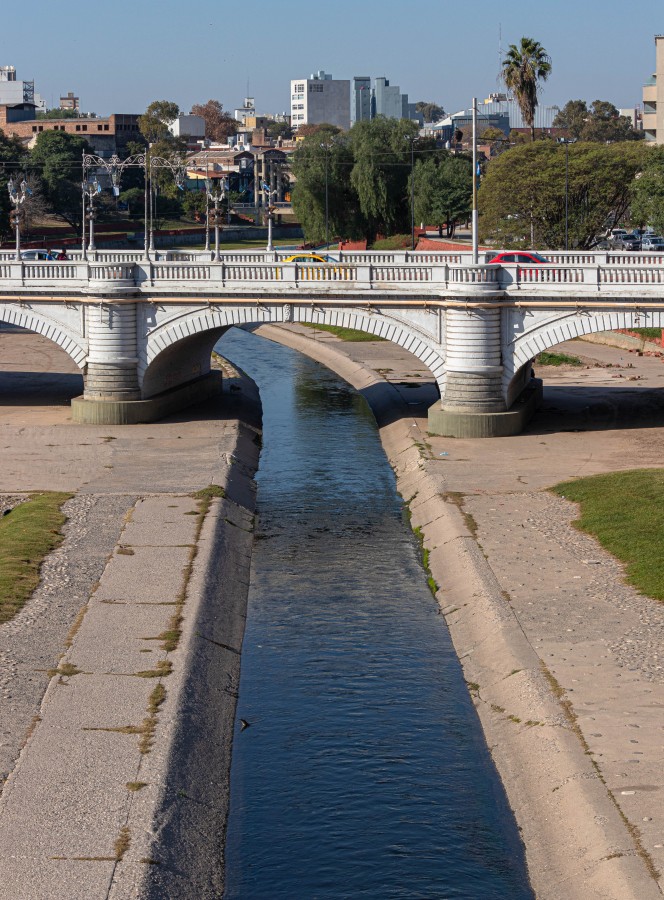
(121, 57)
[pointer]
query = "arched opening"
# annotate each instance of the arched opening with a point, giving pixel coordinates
(35, 371)
(606, 383)
(177, 348)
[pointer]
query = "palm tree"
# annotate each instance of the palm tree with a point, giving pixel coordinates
(523, 68)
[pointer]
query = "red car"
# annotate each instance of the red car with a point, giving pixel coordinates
(522, 258)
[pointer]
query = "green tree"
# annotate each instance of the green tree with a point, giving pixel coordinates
(572, 118)
(522, 196)
(524, 67)
(381, 150)
(12, 161)
(310, 162)
(648, 192)
(56, 159)
(443, 190)
(57, 114)
(155, 121)
(277, 129)
(432, 112)
(219, 125)
(605, 123)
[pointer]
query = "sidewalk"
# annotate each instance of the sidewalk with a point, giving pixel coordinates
(118, 678)
(563, 660)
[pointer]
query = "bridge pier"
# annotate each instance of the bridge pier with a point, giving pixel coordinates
(473, 404)
(112, 369)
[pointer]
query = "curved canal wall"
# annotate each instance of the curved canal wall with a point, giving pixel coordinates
(579, 840)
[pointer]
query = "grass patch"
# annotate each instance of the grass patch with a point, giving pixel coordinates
(345, 334)
(122, 843)
(136, 785)
(394, 242)
(648, 332)
(27, 535)
(459, 500)
(625, 512)
(557, 359)
(209, 493)
(162, 670)
(431, 581)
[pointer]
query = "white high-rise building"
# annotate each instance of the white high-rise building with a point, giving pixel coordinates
(320, 99)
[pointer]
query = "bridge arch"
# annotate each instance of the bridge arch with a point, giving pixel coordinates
(549, 329)
(27, 318)
(182, 329)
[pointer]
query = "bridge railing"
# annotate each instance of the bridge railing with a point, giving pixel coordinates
(229, 274)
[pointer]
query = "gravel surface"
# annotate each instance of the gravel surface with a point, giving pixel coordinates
(33, 640)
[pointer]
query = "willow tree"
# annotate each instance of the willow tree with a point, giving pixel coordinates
(524, 67)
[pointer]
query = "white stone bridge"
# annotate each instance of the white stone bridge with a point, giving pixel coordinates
(142, 330)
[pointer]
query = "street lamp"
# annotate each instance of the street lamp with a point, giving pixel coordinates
(270, 195)
(90, 190)
(327, 146)
(113, 168)
(566, 142)
(177, 167)
(412, 140)
(216, 197)
(17, 199)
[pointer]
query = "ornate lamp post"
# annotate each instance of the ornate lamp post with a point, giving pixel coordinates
(270, 196)
(216, 197)
(17, 198)
(90, 190)
(113, 168)
(178, 169)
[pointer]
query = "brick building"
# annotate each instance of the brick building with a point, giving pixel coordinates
(105, 135)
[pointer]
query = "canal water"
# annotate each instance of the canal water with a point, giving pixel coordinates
(363, 772)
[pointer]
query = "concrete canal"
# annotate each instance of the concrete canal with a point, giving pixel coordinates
(363, 771)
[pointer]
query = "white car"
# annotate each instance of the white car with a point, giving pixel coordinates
(35, 255)
(653, 243)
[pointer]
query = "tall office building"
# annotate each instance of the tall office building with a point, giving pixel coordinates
(388, 101)
(360, 101)
(320, 99)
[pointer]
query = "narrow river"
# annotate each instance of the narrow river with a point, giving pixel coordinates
(363, 772)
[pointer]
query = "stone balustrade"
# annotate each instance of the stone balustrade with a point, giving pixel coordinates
(231, 274)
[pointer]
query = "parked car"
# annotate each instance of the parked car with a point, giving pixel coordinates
(36, 255)
(614, 234)
(627, 242)
(521, 258)
(653, 243)
(310, 258)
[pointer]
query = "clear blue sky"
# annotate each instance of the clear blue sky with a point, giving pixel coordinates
(120, 55)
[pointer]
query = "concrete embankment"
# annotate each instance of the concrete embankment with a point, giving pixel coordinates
(119, 755)
(591, 827)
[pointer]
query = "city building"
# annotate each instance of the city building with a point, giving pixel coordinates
(463, 121)
(188, 126)
(387, 100)
(501, 104)
(249, 109)
(320, 99)
(360, 101)
(70, 102)
(105, 135)
(14, 92)
(653, 97)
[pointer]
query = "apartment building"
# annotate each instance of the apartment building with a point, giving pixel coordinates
(653, 97)
(320, 99)
(105, 135)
